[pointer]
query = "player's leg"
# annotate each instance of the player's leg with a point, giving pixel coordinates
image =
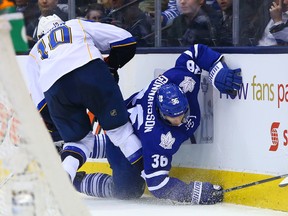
(127, 180)
(72, 122)
(94, 184)
(108, 106)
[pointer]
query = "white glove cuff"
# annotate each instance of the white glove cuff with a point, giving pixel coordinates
(196, 193)
(214, 71)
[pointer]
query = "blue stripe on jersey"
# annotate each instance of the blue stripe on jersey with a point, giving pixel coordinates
(41, 105)
(136, 156)
(122, 43)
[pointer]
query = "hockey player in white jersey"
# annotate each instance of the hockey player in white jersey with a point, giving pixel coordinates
(66, 65)
(164, 115)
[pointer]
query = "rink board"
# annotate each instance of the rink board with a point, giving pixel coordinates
(267, 195)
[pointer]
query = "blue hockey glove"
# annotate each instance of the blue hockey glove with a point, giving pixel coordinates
(206, 193)
(226, 80)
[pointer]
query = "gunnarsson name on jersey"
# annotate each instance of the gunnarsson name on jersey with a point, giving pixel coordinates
(150, 118)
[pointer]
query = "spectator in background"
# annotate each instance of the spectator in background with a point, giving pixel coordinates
(132, 19)
(253, 18)
(279, 15)
(278, 11)
(225, 30)
(213, 3)
(169, 10)
(30, 12)
(170, 13)
(148, 6)
(198, 23)
(46, 7)
(95, 12)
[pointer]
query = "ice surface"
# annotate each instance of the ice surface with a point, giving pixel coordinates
(149, 206)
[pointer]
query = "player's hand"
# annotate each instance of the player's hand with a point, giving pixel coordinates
(205, 193)
(113, 71)
(115, 74)
(226, 80)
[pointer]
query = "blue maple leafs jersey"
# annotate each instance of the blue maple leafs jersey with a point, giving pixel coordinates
(160, 141)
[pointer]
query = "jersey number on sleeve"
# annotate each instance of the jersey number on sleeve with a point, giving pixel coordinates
(192, 67)
(159, 160)
(58, 36)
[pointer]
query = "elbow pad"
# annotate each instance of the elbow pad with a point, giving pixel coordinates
(119, 56)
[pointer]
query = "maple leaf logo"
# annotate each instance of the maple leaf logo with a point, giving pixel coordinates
(187, 84)
(167, 140)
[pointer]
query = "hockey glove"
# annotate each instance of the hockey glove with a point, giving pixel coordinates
(227, 81)
(113, 70)
(115, 74)
(206, 193)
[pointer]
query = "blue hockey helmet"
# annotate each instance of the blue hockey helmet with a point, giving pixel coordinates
(171, 100)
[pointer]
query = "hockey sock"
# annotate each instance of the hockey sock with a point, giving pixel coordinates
(96, 184)
(99, 149)
(70, 165)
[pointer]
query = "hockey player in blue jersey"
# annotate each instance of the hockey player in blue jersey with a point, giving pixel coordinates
(164, 115)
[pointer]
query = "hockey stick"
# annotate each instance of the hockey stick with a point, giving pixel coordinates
(254, 183)
(284, 183)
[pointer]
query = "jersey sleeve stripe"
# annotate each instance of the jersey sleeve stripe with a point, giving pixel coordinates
(155, 174)
(162, 184)
(126, 42)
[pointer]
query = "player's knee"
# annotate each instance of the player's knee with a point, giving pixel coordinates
(127, 141)
(119, 135)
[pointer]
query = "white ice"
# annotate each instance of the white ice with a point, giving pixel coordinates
(149, 206)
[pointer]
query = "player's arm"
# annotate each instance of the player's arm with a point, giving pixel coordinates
(200, 57)
(119, 55)
(156, 174)
(119, 42)
(121, 52)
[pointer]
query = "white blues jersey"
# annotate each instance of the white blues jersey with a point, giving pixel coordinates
(81, 42)
(161, 141)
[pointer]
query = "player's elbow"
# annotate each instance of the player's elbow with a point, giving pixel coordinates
(156, 187)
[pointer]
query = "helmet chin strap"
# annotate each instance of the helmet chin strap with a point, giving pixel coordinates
(163, 117)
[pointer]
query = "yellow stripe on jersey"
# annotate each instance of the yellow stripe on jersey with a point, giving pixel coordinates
(85, 39)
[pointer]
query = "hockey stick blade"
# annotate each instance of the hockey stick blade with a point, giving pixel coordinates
(284, 183)
(256, 183)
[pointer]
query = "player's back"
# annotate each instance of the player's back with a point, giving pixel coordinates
(71, 45)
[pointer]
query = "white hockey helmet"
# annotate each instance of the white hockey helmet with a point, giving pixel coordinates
(47, 23)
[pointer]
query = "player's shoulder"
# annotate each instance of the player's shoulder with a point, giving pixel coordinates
(83, 21)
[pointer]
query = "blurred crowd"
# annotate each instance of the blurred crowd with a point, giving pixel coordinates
(183, 22)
